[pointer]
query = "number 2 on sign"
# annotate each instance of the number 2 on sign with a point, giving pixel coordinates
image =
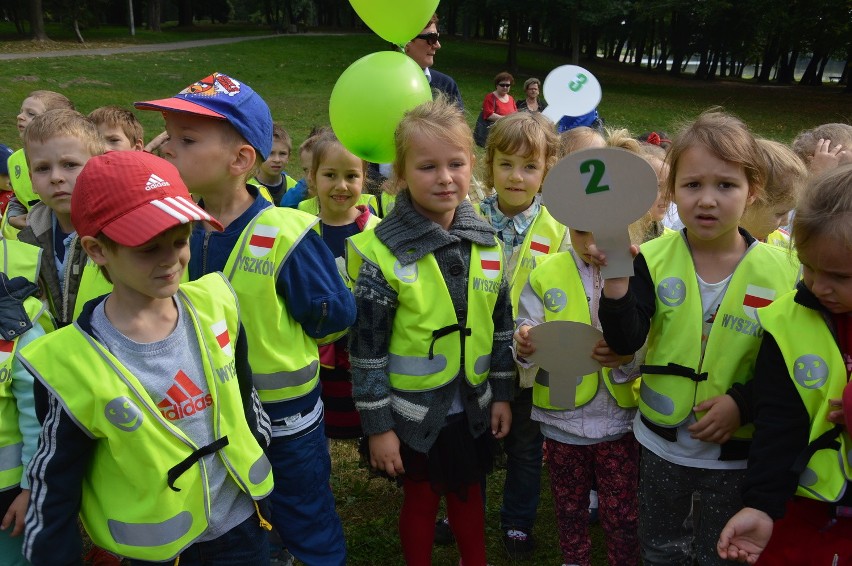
(597, 168)
(578, 84)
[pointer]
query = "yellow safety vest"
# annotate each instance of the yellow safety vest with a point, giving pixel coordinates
(127, 505)
(675, 377)
(11, 441)
(19, 175)
(19, 259)
(6, 229)
(779, 238)
(312, 206)
(817, 368)
(386, 203)
(428, 338)
(93, 284)
(284, 359)
(557, 282)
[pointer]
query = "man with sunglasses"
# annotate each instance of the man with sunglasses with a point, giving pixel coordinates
(422, 49)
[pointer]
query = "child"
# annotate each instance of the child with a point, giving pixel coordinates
(337, 176)
(23, 318)
(119, 128)
(289, 288)
(801, 439)
(36, 103)
(301, 190)
(271, 173)
(702, 339)
(825, 147)
(581, 137)
(6, 191)
(520, 150)
(170, 465)
(591, 445)
(431, 286)
(786, 175)
(651, 225)
(58, 144)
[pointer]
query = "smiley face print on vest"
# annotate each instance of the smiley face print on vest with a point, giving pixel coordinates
(810, 371)
(672, 291)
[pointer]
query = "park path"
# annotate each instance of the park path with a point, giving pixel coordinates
(147, 48)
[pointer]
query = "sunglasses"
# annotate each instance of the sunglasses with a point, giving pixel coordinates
(430, 38)
(505, 85)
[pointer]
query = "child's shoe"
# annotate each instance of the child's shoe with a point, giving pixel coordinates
(97, 556)
(518, 544)
(443, 533)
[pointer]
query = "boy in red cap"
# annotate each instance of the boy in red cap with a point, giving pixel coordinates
(289, 288)
(152, 431)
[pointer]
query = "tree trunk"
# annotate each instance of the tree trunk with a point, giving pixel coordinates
(76, 25)
(132, 22)
(575, 39)
(185, 13)
(512, 32)
(37, 21)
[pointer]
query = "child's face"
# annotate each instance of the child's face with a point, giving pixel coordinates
(827, 272)
(760, 220)
(152, 270)
(198, 148)
(581, 241)
(115, 139)
(659, 208)
(278, 158)
(338, 180)
(517, 180)
(30, 108)
(711, 194)
(437, 175)
(54, 167)
(5, 183)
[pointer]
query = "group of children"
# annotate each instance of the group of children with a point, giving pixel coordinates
(219, 339)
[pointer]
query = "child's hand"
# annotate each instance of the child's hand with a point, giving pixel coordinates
(501, 419)
(616, 287)
(835, 413)
(607, 357)
(155, 144)
(721, 421)
(16, 513)
(523, 346)
(826, 157)
(384, 453)
(745, 536)
(19, 222)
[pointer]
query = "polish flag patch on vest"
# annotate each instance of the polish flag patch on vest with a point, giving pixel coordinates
(756, 297)
(6, 347)
(490, 262)
(539, 245)
(220, 330)
(262, 239)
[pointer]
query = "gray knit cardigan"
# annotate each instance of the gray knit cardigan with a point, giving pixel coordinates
(417, 417)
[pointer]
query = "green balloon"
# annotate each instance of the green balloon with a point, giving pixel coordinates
(395, 20)
(369, 99)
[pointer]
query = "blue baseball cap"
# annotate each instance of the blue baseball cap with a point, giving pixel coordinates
(5, 153)
(225, 98)
(570, 122)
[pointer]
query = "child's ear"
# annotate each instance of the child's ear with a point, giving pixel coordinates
(243, 161)
(139, 145)
(94, 249)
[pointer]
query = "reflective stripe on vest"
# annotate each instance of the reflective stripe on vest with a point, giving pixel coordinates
(427, 335)
(557, 282)
(818, 371)
(284, 359)
(135, 446)
(675, 376)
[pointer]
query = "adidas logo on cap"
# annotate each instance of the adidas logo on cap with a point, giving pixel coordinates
(155, 182)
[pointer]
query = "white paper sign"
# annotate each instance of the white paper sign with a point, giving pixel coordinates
(564, 349)
(602, 191)
(570, 91)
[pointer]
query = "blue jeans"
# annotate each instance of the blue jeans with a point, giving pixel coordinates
(303, 510)
(523, 466)
(247, 544)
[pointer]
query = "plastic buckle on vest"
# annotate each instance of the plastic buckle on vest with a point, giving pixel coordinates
(178, 470)
(674, 369)
(446, 331)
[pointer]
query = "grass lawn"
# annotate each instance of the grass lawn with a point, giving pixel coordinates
(296, 73)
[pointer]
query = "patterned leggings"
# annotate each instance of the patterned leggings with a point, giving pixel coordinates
(573, 470)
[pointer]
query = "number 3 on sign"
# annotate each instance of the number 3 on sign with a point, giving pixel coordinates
(578, 84)
(595, 169)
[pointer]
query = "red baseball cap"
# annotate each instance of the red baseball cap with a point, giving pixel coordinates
(132, 197)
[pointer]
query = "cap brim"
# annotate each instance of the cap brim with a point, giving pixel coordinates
(175, 104)
(146, 222)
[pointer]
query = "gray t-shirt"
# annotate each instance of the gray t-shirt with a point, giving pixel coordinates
(172, 374)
